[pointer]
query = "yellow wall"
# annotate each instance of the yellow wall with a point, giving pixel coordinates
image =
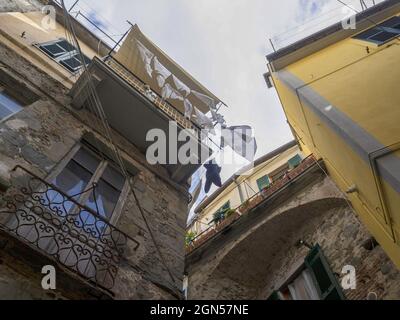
(13, 24)
(248, 185)
(363, 87)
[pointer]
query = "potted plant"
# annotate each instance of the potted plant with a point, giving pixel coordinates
(189, 238)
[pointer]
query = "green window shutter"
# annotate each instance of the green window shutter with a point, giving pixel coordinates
(274, 296)
(220, 213)
(263, 182)
(295, 161)
(325, 281)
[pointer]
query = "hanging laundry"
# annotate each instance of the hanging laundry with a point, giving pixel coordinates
(161, 73)
(167, 92)
(205, 99)
(203, 121)
(212, 175)
(183, 89)
(188, 108)
(241, 140)
(146, 56)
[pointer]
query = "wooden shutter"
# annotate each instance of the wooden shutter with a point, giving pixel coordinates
(294, 162)
(325, 281)
(274, 296)
(263, 182)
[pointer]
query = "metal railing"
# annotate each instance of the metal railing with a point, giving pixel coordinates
(252, 203)
(44, 217)
(327, 16)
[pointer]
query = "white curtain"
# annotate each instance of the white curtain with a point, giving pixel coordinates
(303, 288)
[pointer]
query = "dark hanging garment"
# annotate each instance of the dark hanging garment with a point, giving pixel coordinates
(212, 175)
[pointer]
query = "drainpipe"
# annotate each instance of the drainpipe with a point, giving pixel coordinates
(240, 190)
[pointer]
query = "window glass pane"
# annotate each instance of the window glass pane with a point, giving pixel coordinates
(72, 63)
(53, 50)
(383, 36)
(106, 197)
(72, 181)
(66, 46)
(114, 177)
(87, 159)
(391, 23)
(8, 105)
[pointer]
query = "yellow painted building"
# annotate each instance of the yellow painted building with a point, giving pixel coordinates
(245, 184)
(339, 90)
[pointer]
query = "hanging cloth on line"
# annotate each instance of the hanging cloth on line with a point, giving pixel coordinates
(146, 57)
(161, 73)
(212, 175)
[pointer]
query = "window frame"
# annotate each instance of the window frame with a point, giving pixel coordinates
(61, 57)
(84, 197)
(258, 181)
(315, 253)
(295, 157)
(378, 30)
(4, 89)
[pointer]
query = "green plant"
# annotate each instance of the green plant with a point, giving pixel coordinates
(218, 216)
(189, 237)
(229, 212)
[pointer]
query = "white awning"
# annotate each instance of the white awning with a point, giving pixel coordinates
(151, 65)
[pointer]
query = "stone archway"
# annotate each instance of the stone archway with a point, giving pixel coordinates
(241, 268)
(239, 273)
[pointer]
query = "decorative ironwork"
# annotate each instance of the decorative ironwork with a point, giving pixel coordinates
(74, 235)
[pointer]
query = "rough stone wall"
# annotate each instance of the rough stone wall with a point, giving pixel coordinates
(341, 237)
(39, 136)
(20, 5)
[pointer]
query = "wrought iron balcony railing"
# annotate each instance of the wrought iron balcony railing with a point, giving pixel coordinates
(39, 214)
(251, 203)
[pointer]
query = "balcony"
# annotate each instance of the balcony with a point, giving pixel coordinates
(56, 226)
(252, 204)
(132, 109)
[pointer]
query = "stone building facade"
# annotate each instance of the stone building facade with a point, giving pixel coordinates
(262, 253)
(34, 145)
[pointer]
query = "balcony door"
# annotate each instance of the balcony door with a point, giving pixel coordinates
(76, 209)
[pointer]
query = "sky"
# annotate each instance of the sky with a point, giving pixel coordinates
(223, 44)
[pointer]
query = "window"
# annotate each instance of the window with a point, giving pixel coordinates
(8, 105)
(64, 53)
(313, 281)
(94, 182)
(263, 182)
(295, 161)
(382, 33)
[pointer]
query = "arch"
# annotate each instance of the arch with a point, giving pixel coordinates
(241, 268)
